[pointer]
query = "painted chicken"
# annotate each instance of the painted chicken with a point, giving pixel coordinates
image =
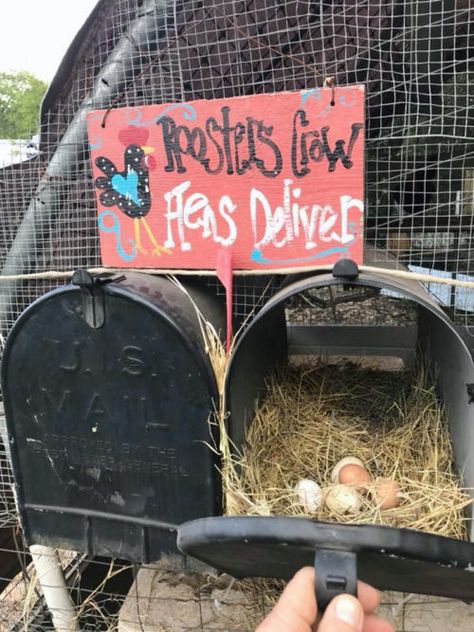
(129, 190)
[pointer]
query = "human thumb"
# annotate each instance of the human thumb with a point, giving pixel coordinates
(343, 614)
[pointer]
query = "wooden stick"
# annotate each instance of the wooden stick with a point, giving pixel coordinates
(401, 274)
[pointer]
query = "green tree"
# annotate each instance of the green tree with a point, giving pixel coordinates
(20, 97)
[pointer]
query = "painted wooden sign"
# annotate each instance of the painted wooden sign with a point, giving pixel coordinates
(276, 179)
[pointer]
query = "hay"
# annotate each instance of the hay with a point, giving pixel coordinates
(313, 416)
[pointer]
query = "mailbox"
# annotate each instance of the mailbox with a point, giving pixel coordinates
(108, 394)
(389, 558)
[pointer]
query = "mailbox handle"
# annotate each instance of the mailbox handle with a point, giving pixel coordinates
(336, 574)
(93, 303)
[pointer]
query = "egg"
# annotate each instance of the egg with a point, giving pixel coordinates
(263, 508)
(355, 475)
(386, 493)
(309, 494)
(348, 460)
(342, 499)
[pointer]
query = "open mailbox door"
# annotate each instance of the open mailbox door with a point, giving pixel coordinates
(385, 557)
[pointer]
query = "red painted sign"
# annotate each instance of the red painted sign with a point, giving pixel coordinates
(277, 179)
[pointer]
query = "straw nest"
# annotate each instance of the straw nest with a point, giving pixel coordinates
(313, 416)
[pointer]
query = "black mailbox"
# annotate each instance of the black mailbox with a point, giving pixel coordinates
(108, 393)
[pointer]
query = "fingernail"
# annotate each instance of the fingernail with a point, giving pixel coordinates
(349, 611)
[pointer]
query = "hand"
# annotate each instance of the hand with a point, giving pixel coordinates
(296, 610)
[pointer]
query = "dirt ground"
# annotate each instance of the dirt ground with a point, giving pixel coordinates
(174, 602)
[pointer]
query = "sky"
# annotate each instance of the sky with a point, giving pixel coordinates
(35, 34)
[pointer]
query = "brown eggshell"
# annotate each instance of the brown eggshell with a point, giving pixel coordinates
(386, 493)
(348, 460)
(354, 475)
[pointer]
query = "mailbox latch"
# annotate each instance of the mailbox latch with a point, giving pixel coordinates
(93, 301)
(336, 574)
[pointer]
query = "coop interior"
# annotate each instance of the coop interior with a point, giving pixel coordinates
(322, 369)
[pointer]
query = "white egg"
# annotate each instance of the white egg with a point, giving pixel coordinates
(310, 495)
(342, 499)
(263, 508)
(348, 460)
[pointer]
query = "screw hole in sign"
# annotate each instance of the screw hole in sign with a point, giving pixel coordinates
(329, 82)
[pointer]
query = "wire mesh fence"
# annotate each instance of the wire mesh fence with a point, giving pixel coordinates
(415, 57)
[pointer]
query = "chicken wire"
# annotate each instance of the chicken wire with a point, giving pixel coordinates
(125, 598)
(415, 57)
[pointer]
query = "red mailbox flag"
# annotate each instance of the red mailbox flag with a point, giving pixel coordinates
(224, 274)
